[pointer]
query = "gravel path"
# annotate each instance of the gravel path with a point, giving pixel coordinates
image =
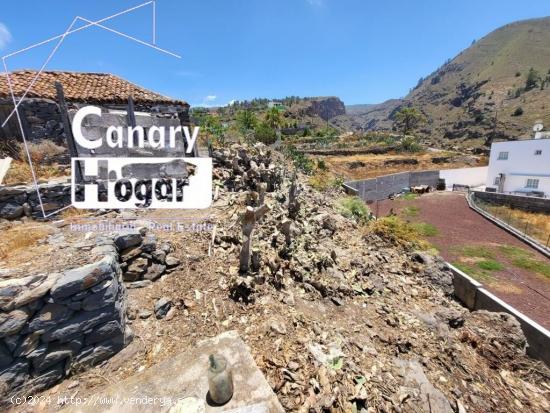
(459, 226)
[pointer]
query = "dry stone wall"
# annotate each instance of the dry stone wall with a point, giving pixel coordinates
(54, 324)
(19, 201)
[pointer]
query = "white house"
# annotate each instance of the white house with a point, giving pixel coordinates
(520, 167)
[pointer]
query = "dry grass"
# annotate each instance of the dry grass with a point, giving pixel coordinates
(20, 171)
(73, 214)
(22, 236)
(537, 224)
(371, 165)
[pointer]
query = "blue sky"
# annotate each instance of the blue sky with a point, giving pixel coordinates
(363, 51)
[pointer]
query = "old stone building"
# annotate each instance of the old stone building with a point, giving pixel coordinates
(40, 113)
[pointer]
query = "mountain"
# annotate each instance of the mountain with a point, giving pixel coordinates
(481, 94)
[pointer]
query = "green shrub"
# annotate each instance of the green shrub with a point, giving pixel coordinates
(533, 78)
(409, 144)
(301, 161)
(355, 208)
(399, 232)
(265, 134)
(518, 111)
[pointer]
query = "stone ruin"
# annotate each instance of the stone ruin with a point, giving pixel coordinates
(57, 323)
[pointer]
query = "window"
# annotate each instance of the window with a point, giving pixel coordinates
(503, 156)
(497, 180)
(532, 183)
(538, 152)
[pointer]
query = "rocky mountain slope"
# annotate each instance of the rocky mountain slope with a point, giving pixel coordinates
(482, 92)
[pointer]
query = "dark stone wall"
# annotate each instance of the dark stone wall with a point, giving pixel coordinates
(41, 118)
(18, 201)
(54, 324)
(526, 203)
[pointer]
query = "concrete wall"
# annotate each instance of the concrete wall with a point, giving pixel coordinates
(429, 178)
(473, 177)
(52, 324)
(475, 297)
(377, 189)
(382, 187)
(526, 203)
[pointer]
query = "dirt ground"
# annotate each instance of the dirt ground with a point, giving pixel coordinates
(339, 319)
(458, 227)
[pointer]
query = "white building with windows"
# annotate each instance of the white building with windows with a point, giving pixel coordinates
(520, 167)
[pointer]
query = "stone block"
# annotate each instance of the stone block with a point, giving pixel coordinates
(101, 298)
(82, 321)
(15, 374)
(5, 356)
(50, 315)
(11, 211)
(55, 353)
(13, 322)
(106, 331)
(127, 240)
(79, 279)
(154, 272)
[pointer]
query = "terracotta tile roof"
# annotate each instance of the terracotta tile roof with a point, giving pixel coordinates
(80, 87)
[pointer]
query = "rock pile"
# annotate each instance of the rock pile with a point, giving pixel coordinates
(143, 259)
(341, 319)
(53, 324)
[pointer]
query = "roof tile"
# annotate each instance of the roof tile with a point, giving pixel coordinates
(78, 87)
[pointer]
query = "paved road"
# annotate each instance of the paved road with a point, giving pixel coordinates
(460, 226)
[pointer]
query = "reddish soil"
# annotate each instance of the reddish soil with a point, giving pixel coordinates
(458, 227)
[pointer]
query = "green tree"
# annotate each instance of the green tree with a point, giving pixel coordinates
(213, 128)
(408, 119)
(265, 133)
(533, 78)
(246, 120)
(273, 118)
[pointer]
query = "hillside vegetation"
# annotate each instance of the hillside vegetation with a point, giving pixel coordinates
(495, 89)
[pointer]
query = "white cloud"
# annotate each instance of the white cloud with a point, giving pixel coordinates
(207, 101)
(5, 36)
(317, 3)
(231, 102)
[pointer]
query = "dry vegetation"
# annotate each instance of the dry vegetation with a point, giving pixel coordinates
(19, 237)
(536, 224)
(370, 165)
(40, 153)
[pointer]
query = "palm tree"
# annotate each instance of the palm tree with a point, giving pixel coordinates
(273, 118)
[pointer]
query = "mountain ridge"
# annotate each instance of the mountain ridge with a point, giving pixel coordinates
(479, 95)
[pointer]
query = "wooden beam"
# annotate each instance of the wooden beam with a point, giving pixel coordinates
(73, 149)
(131, 113)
